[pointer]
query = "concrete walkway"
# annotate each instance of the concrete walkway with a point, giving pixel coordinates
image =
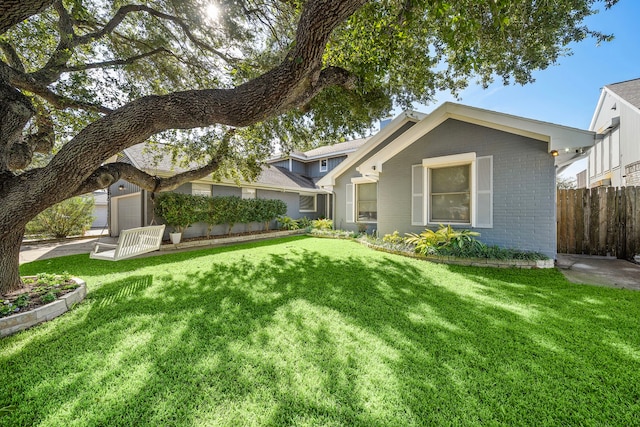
(600, 271)
(33, 251)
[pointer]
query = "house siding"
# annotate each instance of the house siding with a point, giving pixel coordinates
(281, 164)
(628, 132)
(339, 189)
(313, 167)
(523, 185)
(297, 167)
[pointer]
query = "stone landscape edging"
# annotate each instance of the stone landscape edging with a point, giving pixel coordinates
(471, 262)
(20, 321)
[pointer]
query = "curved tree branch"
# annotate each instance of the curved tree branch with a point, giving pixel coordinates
(28, 83)
(13, 12)
(112, 172)
(12, 56)
(123, 11)
(114, 62)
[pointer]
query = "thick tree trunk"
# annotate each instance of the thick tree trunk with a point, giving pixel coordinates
(10, 260)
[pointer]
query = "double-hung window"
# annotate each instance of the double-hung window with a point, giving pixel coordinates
(450, 194)
(308, 203)
(362, 201)
(324, 165)
(456, 189)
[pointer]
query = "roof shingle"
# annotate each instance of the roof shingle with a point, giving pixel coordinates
(629, 91)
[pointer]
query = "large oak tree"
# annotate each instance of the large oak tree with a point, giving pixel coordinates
(82, 80)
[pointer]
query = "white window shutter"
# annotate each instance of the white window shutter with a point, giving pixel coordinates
(417, 195)
(484, 192)
(350, 197)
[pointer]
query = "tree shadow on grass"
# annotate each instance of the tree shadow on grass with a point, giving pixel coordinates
(288, 334)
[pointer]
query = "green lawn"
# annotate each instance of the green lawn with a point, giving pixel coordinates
(306, 331)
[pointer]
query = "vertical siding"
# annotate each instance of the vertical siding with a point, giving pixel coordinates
(629, 135)
(629, 131)
(523, 185)
(297, 167)
(313, 167)
(129, 188)
(282, 164)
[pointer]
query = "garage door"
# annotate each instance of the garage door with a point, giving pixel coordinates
(129, 211)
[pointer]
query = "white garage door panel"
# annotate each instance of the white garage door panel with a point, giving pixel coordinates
(129, 212)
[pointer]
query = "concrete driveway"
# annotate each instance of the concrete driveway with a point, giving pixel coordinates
(600, 271)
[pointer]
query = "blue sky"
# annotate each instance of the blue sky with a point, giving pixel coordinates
(567, 92)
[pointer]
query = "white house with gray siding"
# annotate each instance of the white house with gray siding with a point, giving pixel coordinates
(475, 169)
(615, 158)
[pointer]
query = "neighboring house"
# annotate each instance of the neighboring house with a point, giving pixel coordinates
(131, 206)
(615, 158)
(481, 170)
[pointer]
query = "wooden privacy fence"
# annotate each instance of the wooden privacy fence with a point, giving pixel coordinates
(599, 221)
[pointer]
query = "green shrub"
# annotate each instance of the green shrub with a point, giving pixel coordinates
(69, 218)
(266, 210)
(182, 210)
(322, 224)
(179, 210)
(445, 236)
(304, 222)
(288, 223)
(48, 297)
(395, 238)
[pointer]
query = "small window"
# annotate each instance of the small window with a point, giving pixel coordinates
(248, 193)
(323, 165)
(307, 203)
(201, 189)
(367, 202)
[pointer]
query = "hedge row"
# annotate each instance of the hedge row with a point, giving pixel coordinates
(182, 210)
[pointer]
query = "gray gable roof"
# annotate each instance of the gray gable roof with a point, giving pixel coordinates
(280, 177)
(154, 160)
(629, 91)
(326, 150)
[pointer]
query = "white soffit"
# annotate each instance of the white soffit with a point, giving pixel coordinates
(401, 119)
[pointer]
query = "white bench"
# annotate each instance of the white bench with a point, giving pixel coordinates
(132, 242)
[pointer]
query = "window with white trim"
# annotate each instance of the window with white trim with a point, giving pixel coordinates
(308, 203)
(455, 189)
(248, 193)
(324, 165)
(367, 202)
(201, 189)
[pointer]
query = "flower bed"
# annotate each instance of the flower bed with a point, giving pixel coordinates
(43, 310)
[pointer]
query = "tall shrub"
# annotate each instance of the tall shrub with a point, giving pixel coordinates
(69, 218)
(179, 210)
